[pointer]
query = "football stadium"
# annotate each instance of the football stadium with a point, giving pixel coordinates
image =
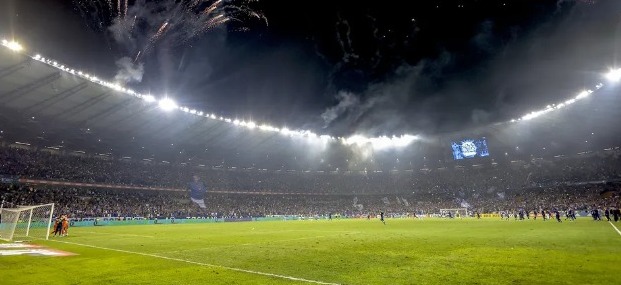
(294, 142)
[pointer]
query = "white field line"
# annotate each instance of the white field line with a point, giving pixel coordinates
(247, 244)
(618, 231)
(203, 264)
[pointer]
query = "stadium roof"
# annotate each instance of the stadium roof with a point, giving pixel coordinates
(36, 98)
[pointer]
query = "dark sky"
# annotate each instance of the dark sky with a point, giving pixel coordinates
(343, 67)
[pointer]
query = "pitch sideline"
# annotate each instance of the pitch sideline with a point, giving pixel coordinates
(203, 264)
(616, 229)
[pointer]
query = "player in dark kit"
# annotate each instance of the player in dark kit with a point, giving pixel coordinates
(197, 192)
(382, 218)
(607, 214)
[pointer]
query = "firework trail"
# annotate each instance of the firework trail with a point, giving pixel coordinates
(154, 38)
(133, 24)
(139, 27)
(137, 56)
(109, 8)
(215, 21)
(211, 8)
(161, 30)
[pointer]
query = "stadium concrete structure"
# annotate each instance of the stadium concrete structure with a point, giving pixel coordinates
(49, 106)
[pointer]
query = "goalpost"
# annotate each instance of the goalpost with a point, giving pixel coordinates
(455, 212)
(26, 222)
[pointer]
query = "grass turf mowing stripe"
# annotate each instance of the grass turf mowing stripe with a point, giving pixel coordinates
(616, 229)
(117, 234)
(202, 264)
(251, 244)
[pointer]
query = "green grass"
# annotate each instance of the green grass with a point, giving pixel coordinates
(405, 251)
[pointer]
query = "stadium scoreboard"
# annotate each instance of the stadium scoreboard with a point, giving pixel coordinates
(470, 148)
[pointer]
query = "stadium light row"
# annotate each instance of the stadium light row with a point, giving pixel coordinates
(383, 142)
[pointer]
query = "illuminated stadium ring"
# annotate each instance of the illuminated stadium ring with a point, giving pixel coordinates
(168, 104)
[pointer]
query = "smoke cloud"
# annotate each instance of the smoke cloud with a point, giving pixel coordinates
(128, 71)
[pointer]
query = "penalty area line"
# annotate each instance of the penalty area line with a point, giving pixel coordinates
(202, 263)
(616, 229)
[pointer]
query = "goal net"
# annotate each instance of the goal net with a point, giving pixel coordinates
(26, 222)
(454, 213)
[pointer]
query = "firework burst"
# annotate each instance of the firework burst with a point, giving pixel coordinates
(141, 25)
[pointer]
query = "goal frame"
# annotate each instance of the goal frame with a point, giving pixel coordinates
(465, 210)
(12, 224)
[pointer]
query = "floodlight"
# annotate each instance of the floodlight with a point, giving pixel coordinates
(614, 75)
(12, 45)
(251, 125)
(148, 98)
(583, 94)
(167, 104)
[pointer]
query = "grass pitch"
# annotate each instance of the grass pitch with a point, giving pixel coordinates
(404, 251)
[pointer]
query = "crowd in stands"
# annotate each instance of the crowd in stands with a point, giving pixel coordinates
(563, 183)
(83, 202)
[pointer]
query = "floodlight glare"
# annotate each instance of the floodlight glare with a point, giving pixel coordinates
(614, 75)
(148, 98)
(167, 104)
(12, 45)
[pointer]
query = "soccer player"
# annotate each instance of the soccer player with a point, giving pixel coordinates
(58, 227)
(382, 218)
(558, 216)
(64, 225)
(607, 214)
(197, 192)
(616, 213)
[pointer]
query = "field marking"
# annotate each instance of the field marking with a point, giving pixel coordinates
(203, 264)
(130, 235)
(618, 231)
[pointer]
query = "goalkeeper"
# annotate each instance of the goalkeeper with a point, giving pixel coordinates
(197, 191)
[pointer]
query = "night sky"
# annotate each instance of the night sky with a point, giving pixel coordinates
(344, 67)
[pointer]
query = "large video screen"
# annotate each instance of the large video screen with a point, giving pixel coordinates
(470, 148)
